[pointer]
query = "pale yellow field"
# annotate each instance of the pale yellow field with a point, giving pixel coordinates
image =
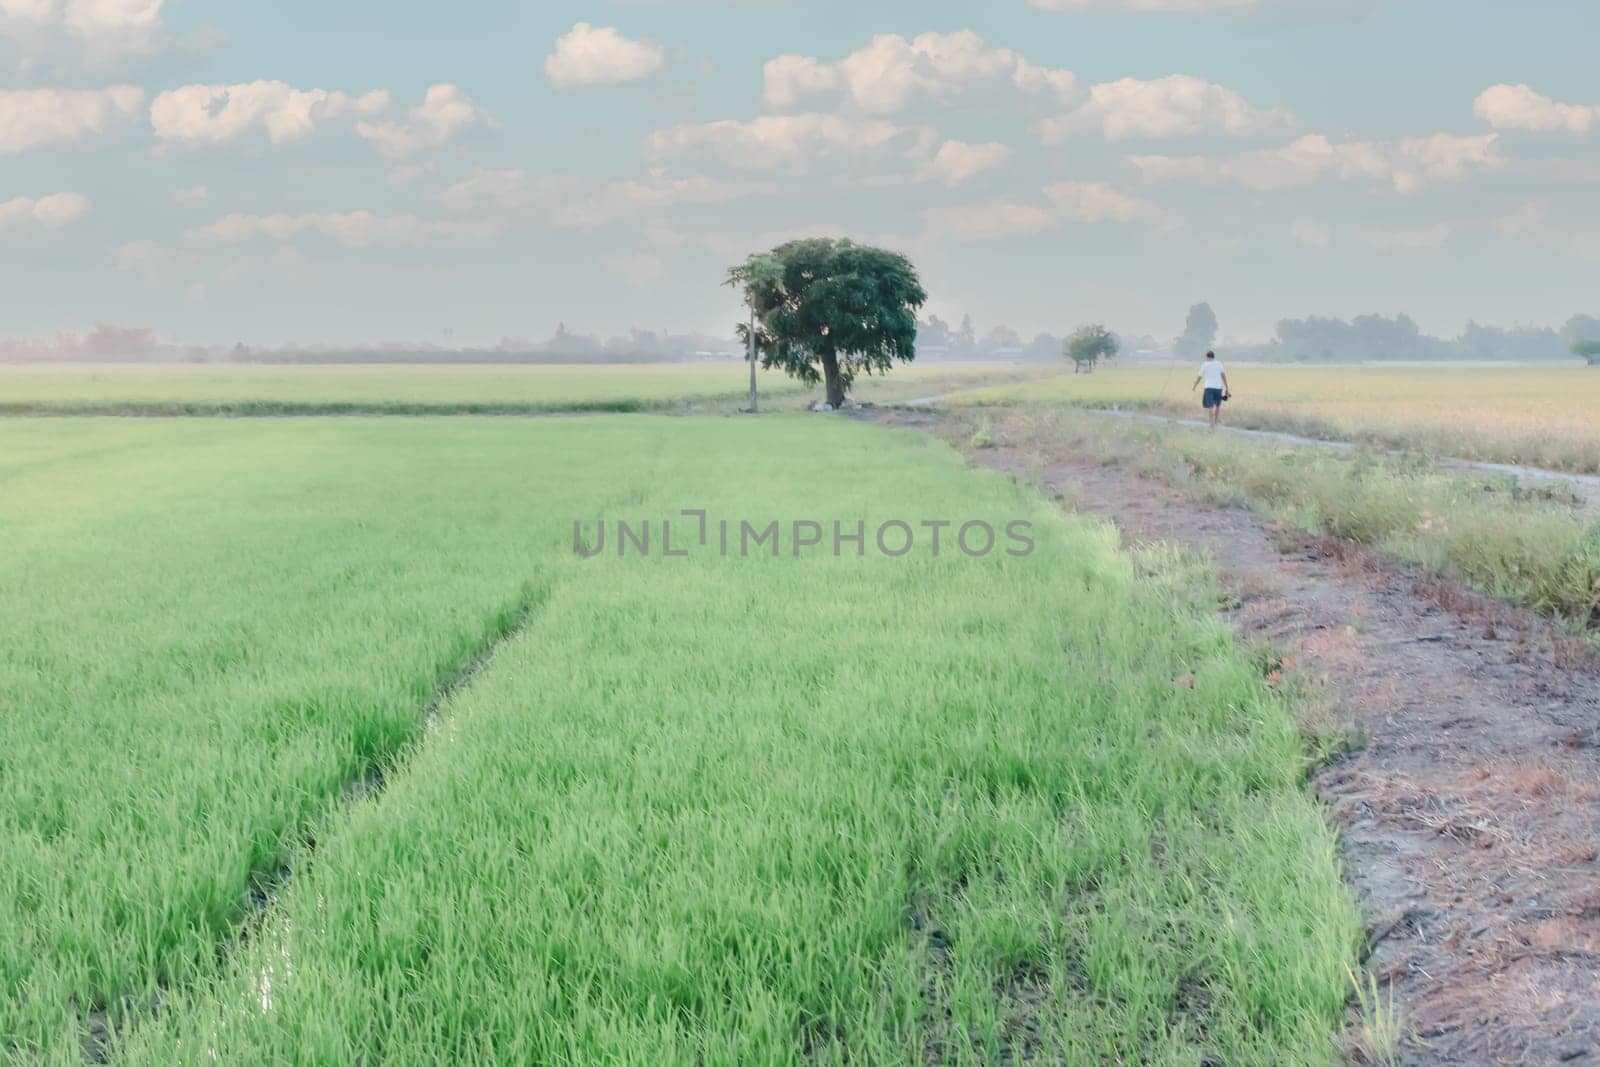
(1543, 414)
(558, 387)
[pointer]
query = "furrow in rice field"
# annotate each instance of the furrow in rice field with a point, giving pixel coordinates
(211, 633)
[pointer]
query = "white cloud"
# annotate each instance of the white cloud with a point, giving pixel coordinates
(51, 212)
(1517, 107)
(354, 229)
(772, 142)
(1177, 105)
(891, 73)
(1527, 221)
(190, 195)
(102, 27)
(1443, 157)
(444, 111)
(33, 117)
(1098, 202)
(599, 55)
(215, 114)
(993, 220)
(958, 162)
(1408, 164)
(1069, 203)
(576, 203)
(790, 78)
(1311, 233)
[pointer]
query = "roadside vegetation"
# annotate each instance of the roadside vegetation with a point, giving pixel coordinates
(775, 809)
(1538, 548)
(1538, 415)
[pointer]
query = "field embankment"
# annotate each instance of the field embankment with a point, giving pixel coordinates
(1537, 546)
(765, 808)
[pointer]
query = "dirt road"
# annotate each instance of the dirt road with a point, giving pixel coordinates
(1470, 820)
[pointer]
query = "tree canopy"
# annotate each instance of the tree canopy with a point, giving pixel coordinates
(827, 310)
(1089, 345)
(1589, 350)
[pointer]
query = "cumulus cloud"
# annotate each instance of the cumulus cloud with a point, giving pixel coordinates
(1311, 233)
(891, 73)
(1525, 221)
(575, 203)
(102, 27)
(1407, 164)
(1068, 203)
(1177, 105)
(992, 220)
(1517, 107)
(353, 229)
(30, 118)
(599, 55)
(1098, 202)
(216, 114)
(444, 111)
(792, 142)
(958, 162)
(51, 212)
(1441, 158)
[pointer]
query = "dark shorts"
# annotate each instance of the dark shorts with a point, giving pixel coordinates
(1212, 399)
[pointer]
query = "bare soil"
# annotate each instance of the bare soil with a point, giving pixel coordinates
(1470, 818)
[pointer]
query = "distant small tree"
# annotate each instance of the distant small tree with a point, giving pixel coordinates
(1589, 351)
(1199, 332)
(1088, 346)
(827, 310)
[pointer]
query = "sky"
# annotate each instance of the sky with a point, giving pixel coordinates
(360, 171)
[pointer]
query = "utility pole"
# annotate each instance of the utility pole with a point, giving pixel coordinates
(751, 345)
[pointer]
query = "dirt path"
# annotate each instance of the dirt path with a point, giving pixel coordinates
(1586, 486)
(1471, 818)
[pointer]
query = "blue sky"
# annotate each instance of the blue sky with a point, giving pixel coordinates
(360, 171)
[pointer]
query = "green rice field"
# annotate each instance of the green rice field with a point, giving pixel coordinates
(320, 743)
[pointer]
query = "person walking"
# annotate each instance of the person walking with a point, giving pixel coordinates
(1215, 378)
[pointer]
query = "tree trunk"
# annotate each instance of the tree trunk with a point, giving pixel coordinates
(830, 376)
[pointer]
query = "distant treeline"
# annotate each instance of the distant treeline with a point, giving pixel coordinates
(1310, 340)
(1375, 337)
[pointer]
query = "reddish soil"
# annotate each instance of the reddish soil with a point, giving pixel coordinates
(1470, 818)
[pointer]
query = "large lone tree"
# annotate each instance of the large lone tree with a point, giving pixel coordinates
(826, 310)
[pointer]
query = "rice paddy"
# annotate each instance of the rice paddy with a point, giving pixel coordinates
(1538, 414)
(416, 389)
(266, 797)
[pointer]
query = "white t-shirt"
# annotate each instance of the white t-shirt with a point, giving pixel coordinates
(1211, 372)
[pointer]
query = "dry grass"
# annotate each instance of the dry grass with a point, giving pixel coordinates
(1540, 415)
